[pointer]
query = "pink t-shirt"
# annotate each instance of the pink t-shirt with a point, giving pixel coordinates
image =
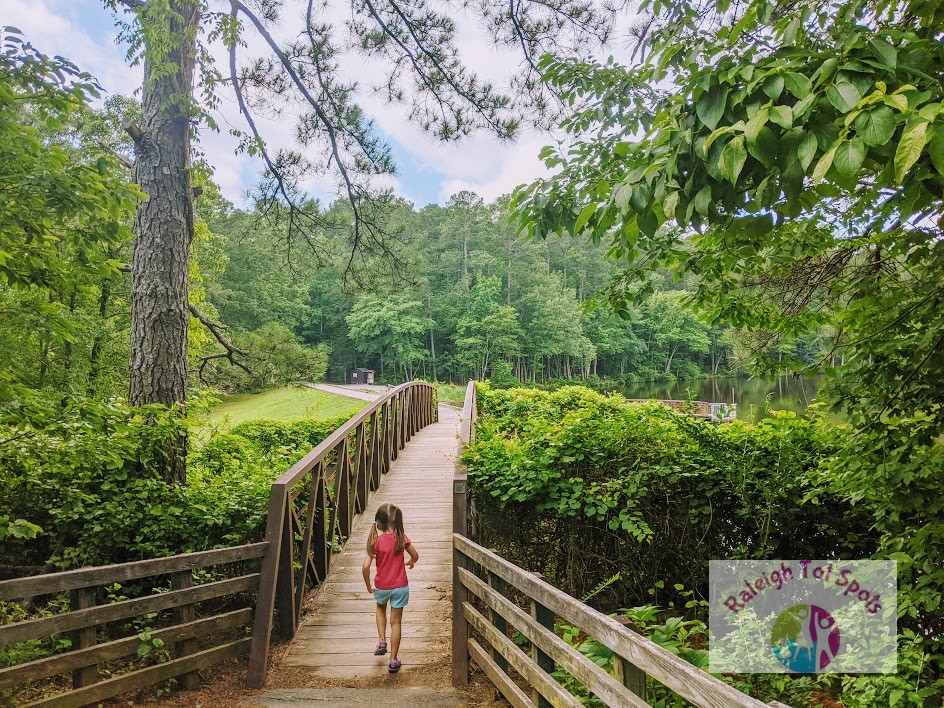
(391, 571)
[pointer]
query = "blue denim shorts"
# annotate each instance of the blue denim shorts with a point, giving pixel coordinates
(398, 597)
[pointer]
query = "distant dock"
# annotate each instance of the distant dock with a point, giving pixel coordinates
(724, 412)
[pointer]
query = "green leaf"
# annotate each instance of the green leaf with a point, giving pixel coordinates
(702, 200)
(732, 159)
(936, 150)
(822, 167)
(670, 204)
(844, 95)
(782, 116)
(909, 148)
(849, 158)
(884, 52)
(584, 217)
(877, 126)
(764, 147)
(773, 87)
(798, 84)
(710, 106)
(753, 126)
(807, 150)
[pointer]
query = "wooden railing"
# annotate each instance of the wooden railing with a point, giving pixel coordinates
(187, 639)
(312, 507)
(488, 594)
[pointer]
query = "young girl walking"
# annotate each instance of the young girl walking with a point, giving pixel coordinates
(386, 544)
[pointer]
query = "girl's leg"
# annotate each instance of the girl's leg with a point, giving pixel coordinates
(382, 622)
(396, 615)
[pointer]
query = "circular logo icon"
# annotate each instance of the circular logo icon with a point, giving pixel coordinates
(805, 638)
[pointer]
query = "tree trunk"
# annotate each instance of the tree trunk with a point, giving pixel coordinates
(164, 227)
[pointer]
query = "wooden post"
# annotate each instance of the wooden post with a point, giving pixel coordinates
(285, 587)
(630, 676)
(342, 490)
(373, 454)
(397, 410)
(82, 599)
(546, 618)
(460, 628)
(187, 613)
(319, 536)
(361, 480)
(265, 600)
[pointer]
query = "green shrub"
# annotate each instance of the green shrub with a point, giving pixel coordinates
(89, 482)
(502, 376)
(578, 470)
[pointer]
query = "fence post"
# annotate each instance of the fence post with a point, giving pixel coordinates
(285, 585)
(545, 618)
(82, 599)
(630, 676)
(265, 600)
(460, 628)
(187, 613)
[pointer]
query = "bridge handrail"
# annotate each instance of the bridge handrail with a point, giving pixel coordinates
(635, 656)
(317, 499)
(84, 616)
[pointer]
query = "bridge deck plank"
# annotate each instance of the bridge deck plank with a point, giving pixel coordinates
(337, 639)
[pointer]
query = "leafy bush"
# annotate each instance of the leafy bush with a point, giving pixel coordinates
(502, 376)
(88, 481)
(583, 471)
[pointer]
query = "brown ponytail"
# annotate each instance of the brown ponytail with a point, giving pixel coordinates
(396, 521)
(372, 538)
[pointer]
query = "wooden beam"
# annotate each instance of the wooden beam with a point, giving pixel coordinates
(508, 688)
(144, 677)
(105, 575)
(553, 647)
(69, 661)
(691, 683)
(68, 621)
(521, 662)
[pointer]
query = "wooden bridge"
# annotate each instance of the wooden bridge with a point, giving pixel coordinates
(466, 602)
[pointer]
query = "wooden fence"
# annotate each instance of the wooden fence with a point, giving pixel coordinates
(85, 616)
(487, 595)
(312, 507)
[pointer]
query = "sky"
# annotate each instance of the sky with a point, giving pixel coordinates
(428, 171)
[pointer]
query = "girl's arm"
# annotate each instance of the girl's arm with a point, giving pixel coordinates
(414, 556)
(368, 559)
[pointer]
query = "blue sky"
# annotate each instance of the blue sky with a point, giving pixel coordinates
(427, 171)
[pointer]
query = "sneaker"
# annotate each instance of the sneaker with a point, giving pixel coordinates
(381, 649)
(394, 666)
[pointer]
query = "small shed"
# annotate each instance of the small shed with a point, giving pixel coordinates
(362, 376)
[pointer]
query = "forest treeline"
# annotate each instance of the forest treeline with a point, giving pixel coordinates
(457, 293)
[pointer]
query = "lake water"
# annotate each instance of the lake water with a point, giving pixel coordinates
(752, 395)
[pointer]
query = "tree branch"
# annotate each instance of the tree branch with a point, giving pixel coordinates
(118, 156)
(216, 329)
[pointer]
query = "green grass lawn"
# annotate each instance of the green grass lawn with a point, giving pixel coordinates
(284, 404)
